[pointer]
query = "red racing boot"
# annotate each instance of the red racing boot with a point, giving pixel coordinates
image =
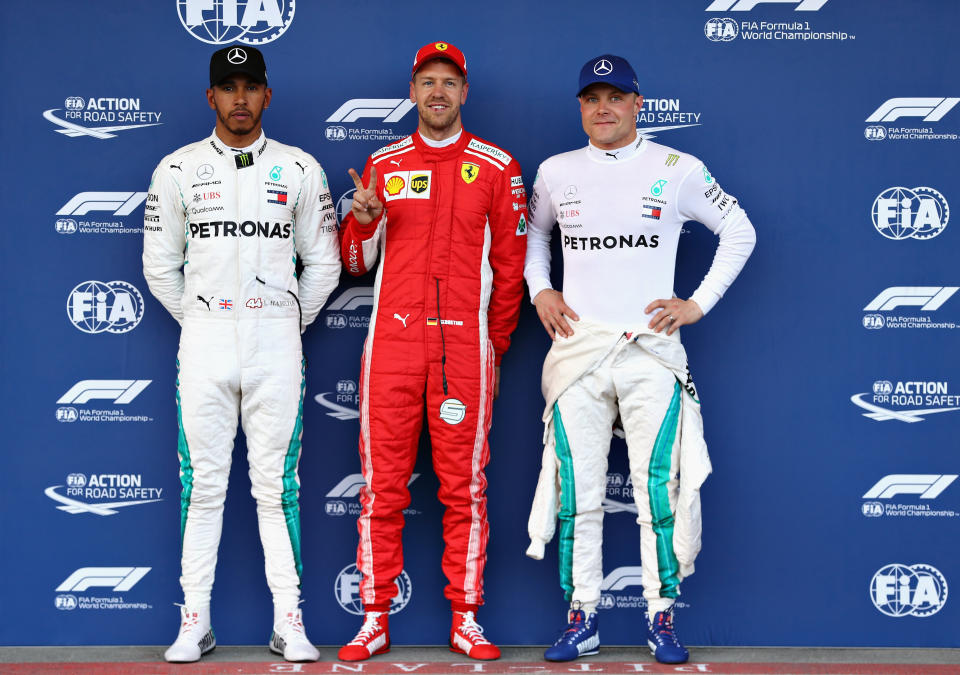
(466, 637)
(373, 638)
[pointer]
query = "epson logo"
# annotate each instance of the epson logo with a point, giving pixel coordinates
(747, 5)
(388, 110)
(117, 203)
(252, 22)
(930, 109)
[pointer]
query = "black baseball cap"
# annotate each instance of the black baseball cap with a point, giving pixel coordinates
(237, 59)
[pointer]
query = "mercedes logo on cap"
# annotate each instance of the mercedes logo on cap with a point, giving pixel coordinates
(602, 67)
(236, 56)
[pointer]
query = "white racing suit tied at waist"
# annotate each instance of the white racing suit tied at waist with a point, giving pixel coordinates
(569, 360)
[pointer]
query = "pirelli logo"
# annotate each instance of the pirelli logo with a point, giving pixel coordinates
(496, 153)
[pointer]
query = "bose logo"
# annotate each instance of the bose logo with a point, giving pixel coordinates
(119, 391)
(118, 578)
(928, 486)
(353, 298)
(747, 5)
(121, 203)
(930, 109)
(387, 109)
(928, 298)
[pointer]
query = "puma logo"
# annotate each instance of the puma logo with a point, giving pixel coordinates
(397, 162)
(206, 302)
(402, 319)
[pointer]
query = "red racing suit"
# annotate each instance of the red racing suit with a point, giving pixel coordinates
(451, 242)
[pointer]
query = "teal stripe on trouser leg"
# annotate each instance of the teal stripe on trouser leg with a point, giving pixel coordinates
(659, 475)
(568, 503)
(291, 507)
(186, 468)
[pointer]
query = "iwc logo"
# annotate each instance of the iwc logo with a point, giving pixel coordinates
(452, 411)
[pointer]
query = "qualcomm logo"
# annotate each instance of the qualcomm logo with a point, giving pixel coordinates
(347, 392)
(908, 590)
(103, 109)
(128, 488)
(905, 213)
(349, 488)
(747, 5)
(252, 22)
(346, 589)
(932, 396)
(930, 109)
(351, 300)
(112, 306)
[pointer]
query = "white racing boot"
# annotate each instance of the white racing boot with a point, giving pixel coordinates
(195, 637)
(290, 638)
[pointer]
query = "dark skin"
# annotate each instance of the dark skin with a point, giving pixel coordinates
(239, 102)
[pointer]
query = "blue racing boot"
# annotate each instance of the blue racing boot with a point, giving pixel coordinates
(580, 638)
(663, 642)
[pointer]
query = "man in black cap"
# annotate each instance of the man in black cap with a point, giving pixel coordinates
(226, 220)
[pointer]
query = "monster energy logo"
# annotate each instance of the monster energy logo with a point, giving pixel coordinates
(672, 159)
(244, 159)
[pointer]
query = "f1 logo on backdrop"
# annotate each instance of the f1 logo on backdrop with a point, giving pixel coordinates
(252, 22)
(747, 5)
(117, 203)
(905, 213)
(927, 298)
(928, 486)
(930, 109)
(908, 590)
(112, 307)
(119, 392)
(117, 579)
(387, 109)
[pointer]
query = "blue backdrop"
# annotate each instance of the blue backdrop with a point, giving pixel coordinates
(831, 516)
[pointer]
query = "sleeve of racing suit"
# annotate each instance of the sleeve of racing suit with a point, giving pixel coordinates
(360, 244)
(701, 198)
(540, 222)
(317, 243)
(508, 246)
(164, 240)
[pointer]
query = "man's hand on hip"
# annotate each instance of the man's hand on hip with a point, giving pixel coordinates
(553, 312)
(673, 314)
(366, 206)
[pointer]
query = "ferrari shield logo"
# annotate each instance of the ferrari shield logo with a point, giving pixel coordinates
(469, 172)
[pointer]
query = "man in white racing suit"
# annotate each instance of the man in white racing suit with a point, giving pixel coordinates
(226, 220)
(620, 204)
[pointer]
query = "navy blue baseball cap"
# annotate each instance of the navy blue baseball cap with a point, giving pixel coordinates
(609, 69)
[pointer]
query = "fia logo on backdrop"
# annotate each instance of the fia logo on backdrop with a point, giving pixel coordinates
(910, 213)
(346, 589)
(105, 307)
(908, 590)
(252, 22)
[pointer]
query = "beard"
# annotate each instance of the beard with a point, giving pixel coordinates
(439, 122)
(239, 127)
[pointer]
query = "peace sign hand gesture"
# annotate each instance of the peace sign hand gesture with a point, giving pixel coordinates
(366, 205)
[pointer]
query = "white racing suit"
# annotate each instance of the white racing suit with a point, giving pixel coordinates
(222, 232)
(588, 379)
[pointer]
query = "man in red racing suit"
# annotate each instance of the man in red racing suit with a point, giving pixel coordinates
(445, 212)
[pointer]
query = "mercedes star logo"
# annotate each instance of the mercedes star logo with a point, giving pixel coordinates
(570, 192)
(602, 67)
(236, 56)
(204, 172)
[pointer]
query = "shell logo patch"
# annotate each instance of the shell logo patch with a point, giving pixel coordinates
(469, 172)
(407, 185)
(395, 185)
